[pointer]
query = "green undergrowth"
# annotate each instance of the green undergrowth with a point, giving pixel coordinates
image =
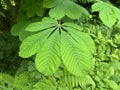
(8, 52)
(105, 75)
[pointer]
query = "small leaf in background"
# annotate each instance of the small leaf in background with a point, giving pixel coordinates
(50, 3)
(32, 7)
(107, 16)
(19, 30)
(107, 12)
(98, 6)
(66, 7)
(2, 14)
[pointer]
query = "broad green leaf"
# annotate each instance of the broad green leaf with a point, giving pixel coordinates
(58, 12)
(33, 44)
(21, 17)
(107, 16)
(116, 11)
(19, 30)
(24, 34)
(74, 11)
(72, 25)
(107, 12)
(68, 8)
(75, 55)
(98, 6)
(118, 24)
(32, 7)
(48, 59)
(35, 8)
(38, 26)
(84, 11)
(25, 4)
(49, 3)
(49, 20)
(84, 37)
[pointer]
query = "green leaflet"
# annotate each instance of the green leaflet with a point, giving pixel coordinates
(75, 55)
(116, 11)
(22, 17)
(59, 10)
(75, 11)
(38, 26)
(107, 16)
(72, 25)
(84, 37)
(48, 59)
(31, 7)
(50, 3)
(65, 7)
(33, 44)
(46, 84)
(107, 12)
(98, 6)
(19, 30)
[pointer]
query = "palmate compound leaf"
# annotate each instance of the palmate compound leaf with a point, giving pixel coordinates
(53, 44)
(107, 12)
(68, 8)
(48, 59)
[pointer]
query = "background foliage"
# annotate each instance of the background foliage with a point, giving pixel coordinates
(86, 21)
